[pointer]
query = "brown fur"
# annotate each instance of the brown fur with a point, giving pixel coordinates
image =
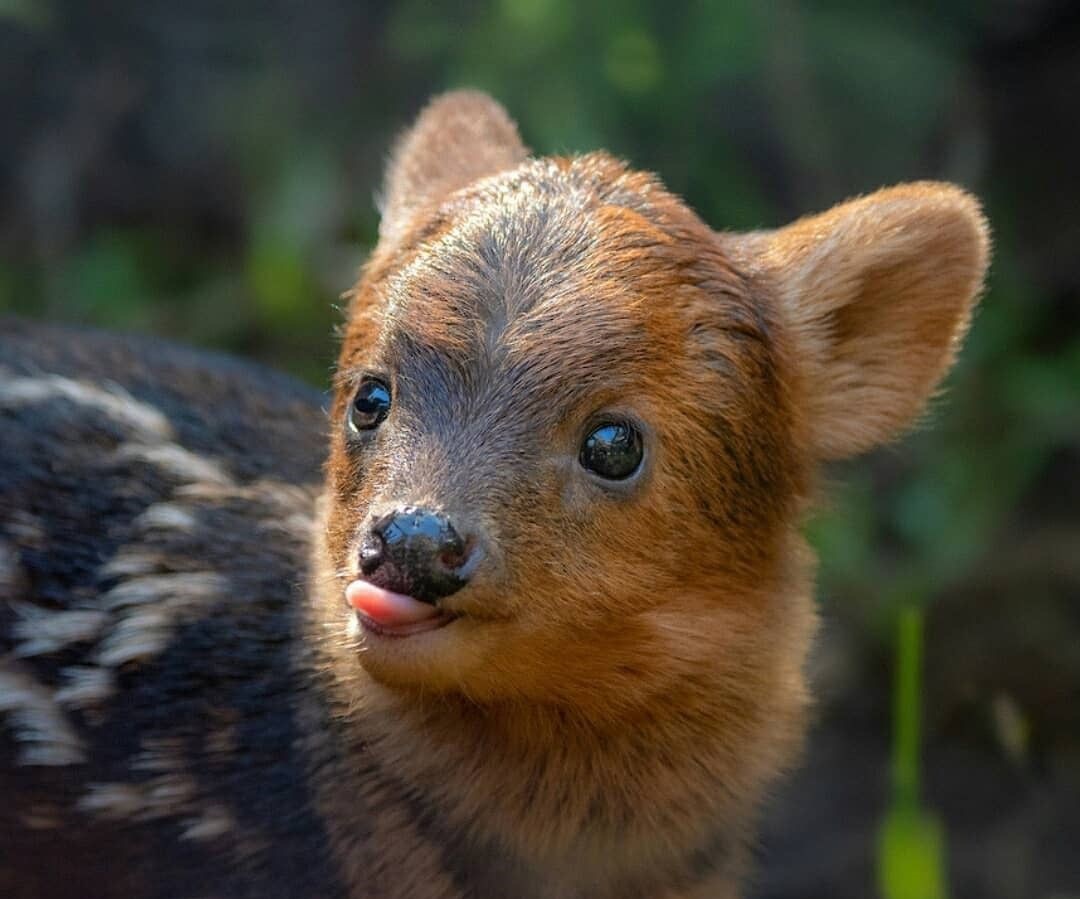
(625, 679)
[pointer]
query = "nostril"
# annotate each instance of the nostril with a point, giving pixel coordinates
(451, 559)
(453, 551)
(372, 552)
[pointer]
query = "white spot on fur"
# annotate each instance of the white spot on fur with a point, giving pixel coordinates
(132, 563)
(138, 637)
(214, 822)
(40, 726)
(296, 503)
(290, 498)
(42, 631)
(170, 794)
(173, 459)
(26, 529)
(296, 526)
(160, 754)
(169, 791)
(166, 517)
(152, 608)
(113, 801)
(223, 740)
(114, 402)
(161, 797)
(174, 586)
(42, 817)
(86, 687)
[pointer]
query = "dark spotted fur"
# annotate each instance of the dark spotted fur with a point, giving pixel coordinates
(220, 701)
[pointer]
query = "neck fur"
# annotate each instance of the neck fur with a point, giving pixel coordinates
(532, 791)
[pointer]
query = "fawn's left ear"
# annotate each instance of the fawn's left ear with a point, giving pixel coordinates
(877, 294)
(458, 138)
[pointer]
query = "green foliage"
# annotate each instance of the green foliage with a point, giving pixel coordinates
(911, 855)
(911, 843)
(31, 14)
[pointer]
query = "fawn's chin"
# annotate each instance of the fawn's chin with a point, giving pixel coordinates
(436, 653)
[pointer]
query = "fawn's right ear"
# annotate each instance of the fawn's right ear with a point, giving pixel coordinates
(458, 138)
(876, 294)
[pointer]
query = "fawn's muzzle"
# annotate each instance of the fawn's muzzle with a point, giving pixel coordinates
(415, 551)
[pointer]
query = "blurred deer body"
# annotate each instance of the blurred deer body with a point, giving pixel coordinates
(541, 631)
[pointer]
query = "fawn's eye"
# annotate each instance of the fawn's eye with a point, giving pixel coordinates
(613, 450)
(370, 405)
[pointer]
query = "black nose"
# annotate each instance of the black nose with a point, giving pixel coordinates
(415, 551)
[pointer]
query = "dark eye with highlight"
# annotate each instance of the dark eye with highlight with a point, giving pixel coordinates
(612, 450)
(370, 405)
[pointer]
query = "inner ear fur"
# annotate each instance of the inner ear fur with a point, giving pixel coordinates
(458, 138)
(877, 294)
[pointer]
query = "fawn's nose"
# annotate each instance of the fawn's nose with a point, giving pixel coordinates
(417, 552)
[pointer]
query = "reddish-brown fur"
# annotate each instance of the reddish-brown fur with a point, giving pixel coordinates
(625, 679)
(624, 675)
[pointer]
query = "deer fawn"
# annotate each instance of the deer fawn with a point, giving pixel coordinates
(541, 631)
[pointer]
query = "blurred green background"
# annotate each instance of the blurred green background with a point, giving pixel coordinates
(206, 171)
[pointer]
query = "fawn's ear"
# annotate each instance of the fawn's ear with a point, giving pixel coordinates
(458, 138)
(877, 294)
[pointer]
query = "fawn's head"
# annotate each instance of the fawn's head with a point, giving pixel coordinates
(574, 428)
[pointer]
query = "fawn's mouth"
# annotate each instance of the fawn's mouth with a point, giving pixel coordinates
(390, 614)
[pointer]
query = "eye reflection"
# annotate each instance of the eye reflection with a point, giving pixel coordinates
(613, 450)
(370, 405)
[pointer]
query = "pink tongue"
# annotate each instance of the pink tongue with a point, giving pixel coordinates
(385, 607)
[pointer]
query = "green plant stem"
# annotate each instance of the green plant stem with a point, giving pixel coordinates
(906, 712)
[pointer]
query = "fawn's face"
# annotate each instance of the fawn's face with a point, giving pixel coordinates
(573, 426)
(560, 421)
